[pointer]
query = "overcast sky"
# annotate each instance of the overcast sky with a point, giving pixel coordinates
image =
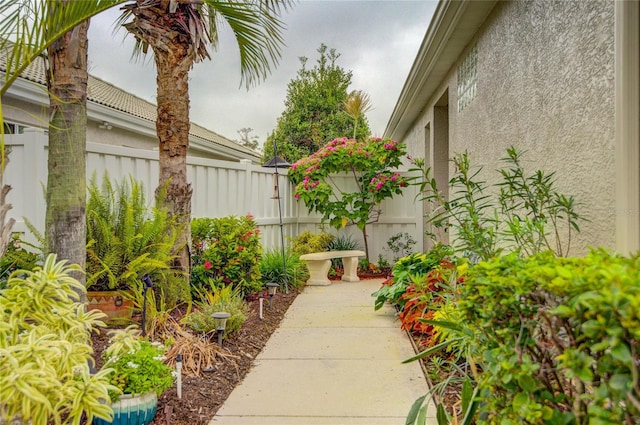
(377, 40)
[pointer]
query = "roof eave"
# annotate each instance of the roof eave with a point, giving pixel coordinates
(32, 92)
(453, 26)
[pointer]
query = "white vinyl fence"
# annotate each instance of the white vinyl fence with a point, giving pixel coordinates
(220, 188)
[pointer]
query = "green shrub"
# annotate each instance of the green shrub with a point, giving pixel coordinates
(523, 213)
(223, 298)
(307, 242)
(226, 250)
(272, 268)
(557, 338)
(127, 240)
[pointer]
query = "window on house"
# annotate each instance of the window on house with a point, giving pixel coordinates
(467, 79)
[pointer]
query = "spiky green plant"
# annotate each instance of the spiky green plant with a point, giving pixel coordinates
(225, 298)
(344, 242)
(273, 269)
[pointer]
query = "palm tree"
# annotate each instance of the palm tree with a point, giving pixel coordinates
(60, 27)
(67, 77)
(357, 104)
(179, 32)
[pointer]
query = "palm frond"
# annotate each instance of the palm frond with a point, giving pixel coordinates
(258, 30)
(29, 27)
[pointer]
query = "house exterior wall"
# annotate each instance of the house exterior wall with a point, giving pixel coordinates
(545, 84)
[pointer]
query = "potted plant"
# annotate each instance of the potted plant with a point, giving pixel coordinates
(136, 369)
(125, 241)
(45, 349)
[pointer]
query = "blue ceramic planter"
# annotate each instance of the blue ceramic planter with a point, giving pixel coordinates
(132, 410)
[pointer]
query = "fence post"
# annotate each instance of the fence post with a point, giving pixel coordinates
(247, 189)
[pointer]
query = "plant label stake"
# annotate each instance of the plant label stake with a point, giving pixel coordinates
(179, 377)
(261, 302)
(147, 284)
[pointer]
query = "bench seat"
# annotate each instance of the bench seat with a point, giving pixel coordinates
(319, 264)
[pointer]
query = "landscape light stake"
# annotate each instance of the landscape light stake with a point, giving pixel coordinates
(272, 288)
(179, 375)
(220, 321)
(147, 284)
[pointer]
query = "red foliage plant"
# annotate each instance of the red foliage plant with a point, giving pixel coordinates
(421, 295)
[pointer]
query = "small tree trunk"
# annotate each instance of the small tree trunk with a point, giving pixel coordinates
(366, 243)
(65, 225)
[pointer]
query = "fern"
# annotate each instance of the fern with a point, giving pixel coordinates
(126, 240)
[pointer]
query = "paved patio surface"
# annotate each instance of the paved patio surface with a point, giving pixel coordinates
(333, 361)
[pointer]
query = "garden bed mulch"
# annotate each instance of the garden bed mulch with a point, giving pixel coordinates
(203, 395)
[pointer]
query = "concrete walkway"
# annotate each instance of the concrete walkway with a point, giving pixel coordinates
(333, 361)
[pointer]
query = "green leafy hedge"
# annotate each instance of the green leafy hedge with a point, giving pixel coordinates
(557, 338)
(226, 250)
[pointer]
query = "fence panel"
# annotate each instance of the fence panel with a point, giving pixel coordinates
(220, 188)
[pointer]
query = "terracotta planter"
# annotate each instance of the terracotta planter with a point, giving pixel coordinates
(112, 303)
(138, 409)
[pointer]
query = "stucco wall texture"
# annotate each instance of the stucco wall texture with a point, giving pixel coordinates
(545, 84)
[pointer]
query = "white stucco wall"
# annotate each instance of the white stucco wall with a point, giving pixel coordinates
(546, 85)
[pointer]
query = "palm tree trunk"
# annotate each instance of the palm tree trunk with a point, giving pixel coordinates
(65, 230)
(172, 127)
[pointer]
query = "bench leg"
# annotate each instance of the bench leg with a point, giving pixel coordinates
(318, 272)
(350, 269)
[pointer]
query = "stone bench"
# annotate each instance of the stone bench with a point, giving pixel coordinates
(319, 264)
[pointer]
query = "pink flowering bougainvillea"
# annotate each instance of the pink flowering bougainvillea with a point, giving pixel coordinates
(371, 164)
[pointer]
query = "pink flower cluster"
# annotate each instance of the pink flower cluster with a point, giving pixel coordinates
(306, 184)
(391, 145)
(312, 162)
(380, 180)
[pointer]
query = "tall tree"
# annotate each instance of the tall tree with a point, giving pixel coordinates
(315, 110)
(248, 140)
(178, 33)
